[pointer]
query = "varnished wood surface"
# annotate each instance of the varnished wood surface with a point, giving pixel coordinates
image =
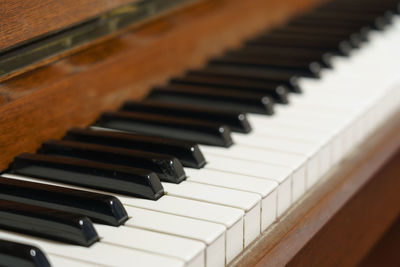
(339, 220)
(73, 91)
(353, 231)
(21, 20)
(386, 251)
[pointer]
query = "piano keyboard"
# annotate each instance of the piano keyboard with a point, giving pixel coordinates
(198, 170)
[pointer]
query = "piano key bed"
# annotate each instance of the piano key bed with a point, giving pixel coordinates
(199, 169)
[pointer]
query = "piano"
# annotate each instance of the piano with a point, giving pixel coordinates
(198, 133)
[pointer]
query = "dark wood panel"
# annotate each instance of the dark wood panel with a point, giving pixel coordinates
(72, 91)
(22, 20)
(386, 251)
(341, 217)
(353, 231)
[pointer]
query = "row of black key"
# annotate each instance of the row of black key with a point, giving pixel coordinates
(160, 134)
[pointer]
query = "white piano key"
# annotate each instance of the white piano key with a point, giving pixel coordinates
(211, 234)
(310, 151)
(98, 254)
(303, 108)
(248, 202)
(273, 128)
(280, 174)
(191, 251)
(246, 167)
(295, 164)
(58, 261)
(256, 154)
(324, 127)
(231, 218)
(299, 183)
(265, 188)
(324, 141)
(245, 183)
(279, 144)
(324, 144)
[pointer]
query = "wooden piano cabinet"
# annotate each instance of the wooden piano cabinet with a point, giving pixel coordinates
(386, 251)
(341, 218)
(72, 91)
(335, 224)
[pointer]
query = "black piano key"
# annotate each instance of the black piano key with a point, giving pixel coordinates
(48, 223)
(286, 78)
(235, 120)
(14, 254)
(99, 208)
(362, 31)
(356, 38)
(272, 52)
(302, 68)
(195, 81)
(168, 168)
(366, 18)
(165, 126)
(187, 152)
(219, 76)
(341, 47)
(328, 24)
(342, 32)
(215, 99)
(371, 10)
(327, 41)
(376, 7)
(108, 177)
(378, 23)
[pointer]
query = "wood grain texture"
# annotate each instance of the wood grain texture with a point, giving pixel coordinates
(21, 20)
(73, 91)
(338, 221)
